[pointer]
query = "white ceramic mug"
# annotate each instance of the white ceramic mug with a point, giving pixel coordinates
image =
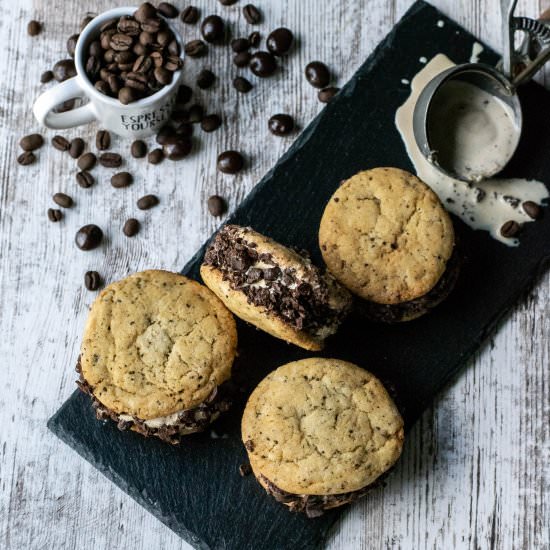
(138, 119)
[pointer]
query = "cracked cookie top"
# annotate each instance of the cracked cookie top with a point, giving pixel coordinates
(321, 427)
(386, 236)
(156, 343)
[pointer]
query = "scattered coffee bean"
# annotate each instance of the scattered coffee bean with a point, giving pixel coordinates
(228, 2)
(245, 470)
(85, 20)
(122, 179)
(210, 123)
(88, 237)
(242, 59)
(510, 229)
(46, 76)
(92, 280)
(60, 143)
(87, 161)
(71, 44)
(63, 70)
(34, 28)
(76, 147)
(281, 125)
(54, 215)
(317, 74)
(26, 158)
(110, 160)
(263, 64)
(205, 79)
(326, 94)
(31, 142)
(131, 227)
(195, 48)
(165, 135)
(190, 15)
(85, 179)
(216, 205)
(230, 162)
(156, 156)
(184, 129)
(178, 148)
(240, 45)
(252, 14)
(242, 85)
(254, 39)
(532, 209)
(138, 149)
(184, 94)
(167, 10)
(148, 201)
(62, 200)
(280, 41)
(195, 113)
(102, 140)
(213, 29)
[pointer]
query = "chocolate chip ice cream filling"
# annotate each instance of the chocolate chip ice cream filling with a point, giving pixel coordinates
(301, 300)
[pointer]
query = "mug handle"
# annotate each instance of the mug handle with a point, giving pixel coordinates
(46, 102)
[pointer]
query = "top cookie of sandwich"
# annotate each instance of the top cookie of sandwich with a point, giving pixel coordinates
(321, 427)
(386, 236)
(156, 343)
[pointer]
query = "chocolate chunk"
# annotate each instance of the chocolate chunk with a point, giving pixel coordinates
(281, 125)
(178, 148)
(88, 237)
(230, 162)
(263, 64)
(213, 29)
(317, 74)
(280, 41)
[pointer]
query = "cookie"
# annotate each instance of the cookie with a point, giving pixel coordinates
(274, 288)
(386, 236)
(320, 432)
(156, 352)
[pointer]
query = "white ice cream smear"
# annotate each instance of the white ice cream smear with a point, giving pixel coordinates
(486, 205)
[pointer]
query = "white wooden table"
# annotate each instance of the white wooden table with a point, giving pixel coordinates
(475, 470)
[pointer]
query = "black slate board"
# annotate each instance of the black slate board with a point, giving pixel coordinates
(196, 489)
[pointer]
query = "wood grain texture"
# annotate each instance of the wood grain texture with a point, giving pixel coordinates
(475, 470)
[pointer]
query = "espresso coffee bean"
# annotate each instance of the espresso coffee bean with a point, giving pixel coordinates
(120, 42)
(34, 28)
(136, 81)
(46, 76)
(263, 64)
(165, 135)
(87, 161)
(173, 63)
(76, 148)
(146, 202)
(64, 70)
(240, 45)
(190, 15)
(144, 12)
(252, 14)
(152, 25)
(326, 94)
(54, 215)
(184, 129)
(124, 59)
(280, 41)
(210, 123)
(195, 48)
(167, 10)
(510, 229)
(213, 29)
(102, 87)
(60, 143)
(92, 280)
(205, 79)
(102, 140)
(184, 94)
(178, 149)
(228, 2)
(26, 158)
(216, 205)
(532, 209)
(138, 149)
(230, 162)
(127, 95)
(85, 179)
(88, 237)
(71, 44)
(195, 114)
(281, 125)
(254, 39)
(317, 74)
(128, 25)
(131, 227)
(156, 156)
(122, 179)
(31, 142)
(242, 85)
(110, 160)
(242, 59)
(62, 200)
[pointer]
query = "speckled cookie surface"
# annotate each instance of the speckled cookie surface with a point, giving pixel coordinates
(156, 343)
(321, 427)
(386, 236)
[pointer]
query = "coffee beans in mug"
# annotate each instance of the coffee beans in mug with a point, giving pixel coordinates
(64, 69)
(280, 41)
(146, 202)
(55, 215)
(102, 140)
(88, 237)
(131, 227)
(263, 64)
(190, 15)
(92, 280)
(317, 74)
(110, 160)
(230, 162)
(138, 149)
(76, 147)
(85, 179)
(281, 125)
(122, 179)
(31, 142)
(63, 200)
(87, 161)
